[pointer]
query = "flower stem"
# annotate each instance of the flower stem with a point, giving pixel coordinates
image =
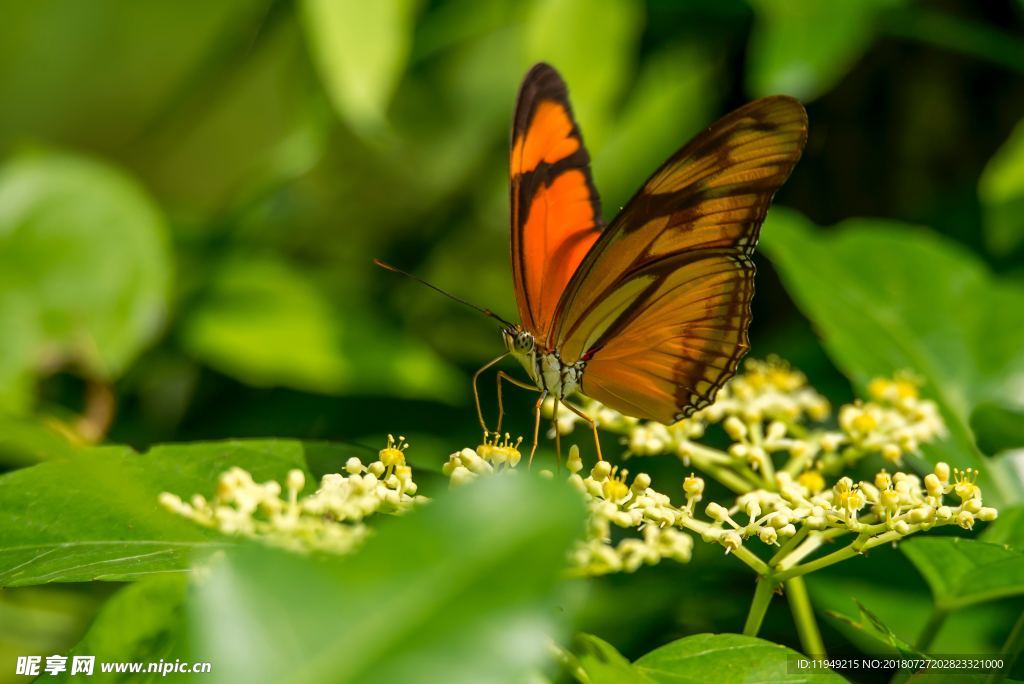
(817, 564)
(803, 616)
(759, 606)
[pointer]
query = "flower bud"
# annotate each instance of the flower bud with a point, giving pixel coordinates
(574, 463)
(717, 512)
(601, 470)
(296, 479)
(735, 428)
(891, 452)
(693, 486)
(988, 514)
(641, 482)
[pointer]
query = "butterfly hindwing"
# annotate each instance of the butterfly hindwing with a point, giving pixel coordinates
(556, 216)
(659, 307)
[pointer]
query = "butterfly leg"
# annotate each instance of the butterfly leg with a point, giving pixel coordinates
(558, 437)
(593, 427)
(476, 393)
(536, 425)
(502, 375)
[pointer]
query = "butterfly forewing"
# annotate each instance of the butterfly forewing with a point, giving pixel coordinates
(660, 305)
(556, 217)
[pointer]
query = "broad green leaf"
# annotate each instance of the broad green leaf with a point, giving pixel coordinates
(360, 50)
(1001, 191)
(962, 572)
(266, 323)
(602, 664)
(804, 47)
(24, 441)
(870, 624)
(887, 297)
(889, 589)
(464, 589)
(95, 515)
(1008, 529)
(141, 623)
(84, 269)
(565, 33)
(997, 428)
(724, 658)
(49, 619)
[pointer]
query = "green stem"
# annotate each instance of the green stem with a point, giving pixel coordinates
(759, 606)
(569, 662)
(1011, 650)
(734, 474)
(755, 563)
(790, 544)
(819, 563)
(931, 629)
(803, 616)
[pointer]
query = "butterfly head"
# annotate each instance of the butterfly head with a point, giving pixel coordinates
(518, 341)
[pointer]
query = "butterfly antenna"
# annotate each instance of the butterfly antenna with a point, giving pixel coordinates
(449, 295)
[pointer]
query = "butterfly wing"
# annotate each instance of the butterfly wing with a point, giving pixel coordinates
(556, 216)
(659, 308)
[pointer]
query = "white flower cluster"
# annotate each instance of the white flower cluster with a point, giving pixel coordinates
(769, 411)
(886, 510)
(498, 453)
(330, 519)
(614, 504)
(776, 465)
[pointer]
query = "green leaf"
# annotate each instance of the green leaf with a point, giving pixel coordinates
(25, 441)
(804, 47)
(997, 428)
(876, 629)
(1001, 191)
(887, 297)
(1008, 529)
(84, 269)
(464, 589)
(886, 585)
(602, 664)
(963, 572)
(141, 623)
(95, 515)
(267, 324)
(724, 658)
(595, 77)
(360, 50)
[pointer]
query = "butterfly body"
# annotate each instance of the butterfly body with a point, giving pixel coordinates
(545, 367)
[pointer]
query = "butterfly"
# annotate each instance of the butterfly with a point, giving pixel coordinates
(649, 314)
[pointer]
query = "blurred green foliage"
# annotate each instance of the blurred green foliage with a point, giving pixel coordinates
(191, 195)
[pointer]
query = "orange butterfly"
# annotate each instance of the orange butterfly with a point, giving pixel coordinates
(648, 315)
